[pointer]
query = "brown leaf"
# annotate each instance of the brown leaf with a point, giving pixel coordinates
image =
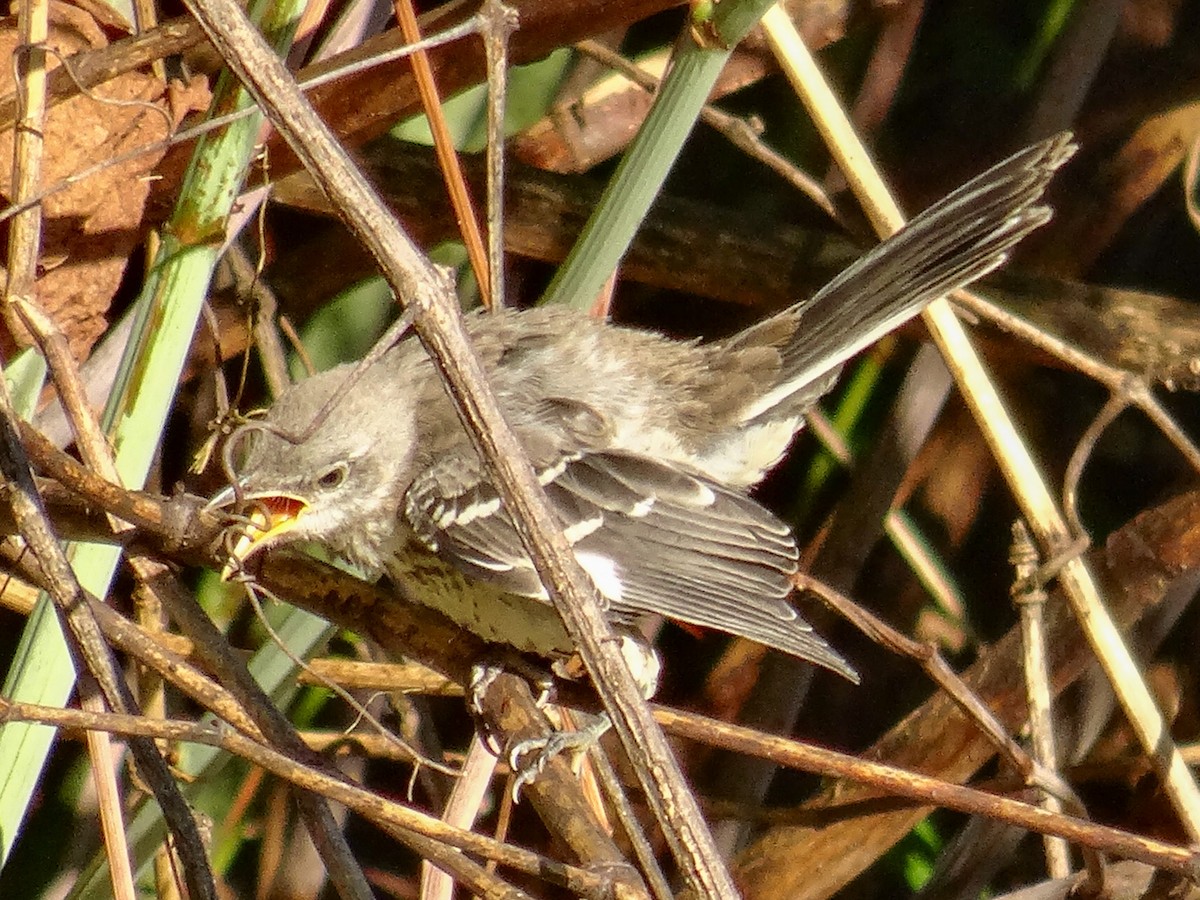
(90, 227)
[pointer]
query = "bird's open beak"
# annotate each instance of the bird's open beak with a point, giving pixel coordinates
(272, 515)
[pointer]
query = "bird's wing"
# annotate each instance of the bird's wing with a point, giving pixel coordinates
(653, 538)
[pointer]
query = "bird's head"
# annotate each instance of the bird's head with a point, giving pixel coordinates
(338, 483)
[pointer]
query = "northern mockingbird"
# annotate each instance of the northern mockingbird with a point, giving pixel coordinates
(646, 446)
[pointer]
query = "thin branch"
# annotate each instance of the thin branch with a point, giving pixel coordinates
(1131, 386)
(429, 836)
(736, 130)
(499, 21)
(940, 672)
(1030, 599)
(927, 791)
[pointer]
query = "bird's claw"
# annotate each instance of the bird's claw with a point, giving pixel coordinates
(528, 758)
(484, 673)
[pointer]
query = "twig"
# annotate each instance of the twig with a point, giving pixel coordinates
(1108, 414)
(499, 21)
(263, 314)
(1030, 598)
(1133, 387)
(940, 672)
(508, 708)
(253, 592)
(736, 130)
(461, 810)
(443, 843)
(53, 345)
(90, 68)
(606, 776)
(927, 791)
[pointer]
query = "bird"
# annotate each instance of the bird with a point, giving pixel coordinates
(647, 446)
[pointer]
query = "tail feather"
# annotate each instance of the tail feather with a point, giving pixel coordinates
(952, 243)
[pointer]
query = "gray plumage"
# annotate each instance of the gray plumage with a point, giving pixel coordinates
(645, 445)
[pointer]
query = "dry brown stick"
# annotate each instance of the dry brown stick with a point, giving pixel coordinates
(950, 682)
(1131, 383)
(625, 814)
(734, 129)
(509, 707)
(145, 18)
(323, 828)
(1143, 559)
(927, 791)
(498, 23)
(1030, 597)
(430, 296)
(404, 678)
(90, 68)
(265, 309)
(456, 184)
(461, 809)
(443, 843)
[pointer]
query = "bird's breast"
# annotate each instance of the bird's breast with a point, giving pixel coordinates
(528, 624)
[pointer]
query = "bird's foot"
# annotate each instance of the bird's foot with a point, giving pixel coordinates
(487, 671)
(528, 759)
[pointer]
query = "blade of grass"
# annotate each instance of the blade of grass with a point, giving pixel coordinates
(695, 66)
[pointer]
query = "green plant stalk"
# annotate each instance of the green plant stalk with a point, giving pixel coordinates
(643, 169)
(168, 311)
(1054, 22)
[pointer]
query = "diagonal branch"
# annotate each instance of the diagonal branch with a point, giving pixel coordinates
(430, 296)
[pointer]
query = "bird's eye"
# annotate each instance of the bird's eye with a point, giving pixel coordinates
(333, 478)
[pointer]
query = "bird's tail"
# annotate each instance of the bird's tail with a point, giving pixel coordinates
(957, 240)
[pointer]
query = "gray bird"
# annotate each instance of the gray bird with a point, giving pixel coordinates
(646, 446)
